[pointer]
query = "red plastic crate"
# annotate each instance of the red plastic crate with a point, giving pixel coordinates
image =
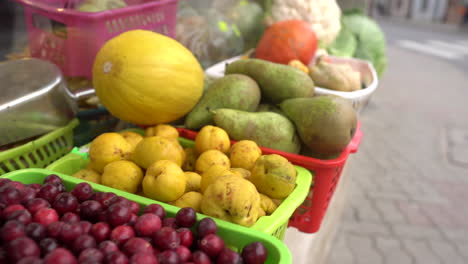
(308, 217)
(71, 39)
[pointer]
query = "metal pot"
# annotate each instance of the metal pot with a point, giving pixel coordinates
(34, 99)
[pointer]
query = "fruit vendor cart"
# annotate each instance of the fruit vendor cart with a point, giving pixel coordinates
(199, 116)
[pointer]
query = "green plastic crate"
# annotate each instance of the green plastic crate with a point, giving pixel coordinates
(235, 236)
(274, 224)
(40, 152)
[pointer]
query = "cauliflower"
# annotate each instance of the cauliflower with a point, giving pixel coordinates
(323, 15)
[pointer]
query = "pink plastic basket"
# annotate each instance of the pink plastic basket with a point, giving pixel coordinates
(71, 39)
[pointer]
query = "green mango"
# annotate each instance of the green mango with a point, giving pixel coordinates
(326, 124)
(278, 82)
(267, 129)
(234, 91)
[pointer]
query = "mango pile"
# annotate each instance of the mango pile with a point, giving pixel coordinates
(235, 182)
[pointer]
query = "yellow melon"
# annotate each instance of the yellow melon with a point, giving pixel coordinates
(147, 78)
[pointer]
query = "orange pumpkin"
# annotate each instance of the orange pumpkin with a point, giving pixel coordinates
(287, 40)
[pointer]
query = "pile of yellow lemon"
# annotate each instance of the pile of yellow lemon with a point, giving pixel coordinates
(234, 183)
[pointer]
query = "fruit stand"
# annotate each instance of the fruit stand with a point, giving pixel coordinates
(185, 131)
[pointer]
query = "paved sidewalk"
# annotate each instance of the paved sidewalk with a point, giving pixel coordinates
(409, 181)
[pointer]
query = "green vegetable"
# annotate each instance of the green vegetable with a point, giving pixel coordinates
(370, 39)
(345, 44)
(248, 16)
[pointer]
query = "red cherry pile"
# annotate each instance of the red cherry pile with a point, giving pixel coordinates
(44, 224)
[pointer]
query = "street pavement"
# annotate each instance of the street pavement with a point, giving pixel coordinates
(409, 179)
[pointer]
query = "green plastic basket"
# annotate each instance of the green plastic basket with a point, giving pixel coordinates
(235, 236)
(40, 152)
(274, 224)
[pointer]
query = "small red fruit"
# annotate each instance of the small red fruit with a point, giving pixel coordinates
(36, 231)
(9, 195)
(100, 231)
(166, 238)
(46, 216)
(228, 256)
(70, 232)
(54, 229)
(35, 186)
(17, 185)
(134, 207)
(137, 245)
(70, 217)
(104, 198)
(21, 215)
(184, 253)
(133, 219)
(36, 204)
(90, 210)
(155, 209)
(83, 242)
(11, 209)
(254, 253)
(48, 192)
(147, 224)
(116, 257)
(82, 191)
(107, 247)
(118, 214)
(186, 217)
(92, 255)
(168, 257)
(211, 244)
(22, 247)
(142, 258)
(48, 245)
(199, 257)
(170, 222)
(52, 178)
(85, 226)
(186, 236)
(30, 260)
(58, 256)
(65, 202)
(121, 234)
(205, 227)
(27, 194)
(4, 181)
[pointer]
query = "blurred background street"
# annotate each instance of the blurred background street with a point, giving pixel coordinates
(408, 189)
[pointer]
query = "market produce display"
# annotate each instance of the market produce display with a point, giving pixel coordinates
(235, 182)
(268, 98)
(46, 224)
